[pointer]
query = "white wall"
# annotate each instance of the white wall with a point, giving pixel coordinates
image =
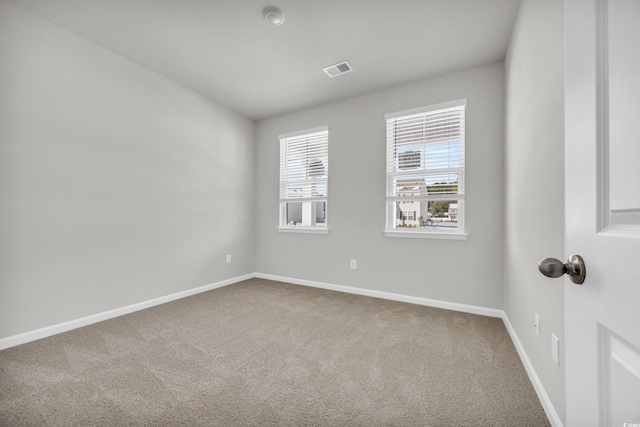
(468, 272)
(118, 185)
(534, 186)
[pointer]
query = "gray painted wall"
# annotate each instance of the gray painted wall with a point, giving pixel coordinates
(534, 186)
(468, 272)
(118, 185)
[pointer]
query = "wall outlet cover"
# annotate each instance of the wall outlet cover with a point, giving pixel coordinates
(555, 349)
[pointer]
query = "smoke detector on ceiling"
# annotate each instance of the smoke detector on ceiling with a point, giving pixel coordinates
(338, 69)
(273, 16)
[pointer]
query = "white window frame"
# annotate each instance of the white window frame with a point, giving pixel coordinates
(424, 174)
(319, 137)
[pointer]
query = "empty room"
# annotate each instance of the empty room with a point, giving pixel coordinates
(319, 213)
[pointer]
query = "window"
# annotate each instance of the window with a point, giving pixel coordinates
(408, 215)
(425, 171)
(304, 172)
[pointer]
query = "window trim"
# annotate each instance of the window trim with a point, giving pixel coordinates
(458, 234)
(282, 220)
(435, 234)
(301, 229)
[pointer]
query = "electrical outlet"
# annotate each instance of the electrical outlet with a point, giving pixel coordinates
(555, 349)
(228, 258)
(536, 325)
(354, 264)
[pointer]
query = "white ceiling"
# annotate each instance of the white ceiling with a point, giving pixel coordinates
(226, 51)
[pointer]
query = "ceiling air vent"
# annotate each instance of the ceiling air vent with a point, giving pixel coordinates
(338, 69)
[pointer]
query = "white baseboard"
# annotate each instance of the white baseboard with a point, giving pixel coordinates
(473, 309)
(548, 407)
(37, 334)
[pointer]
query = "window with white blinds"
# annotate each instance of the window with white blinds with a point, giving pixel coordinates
(425, 171)
(304, 174)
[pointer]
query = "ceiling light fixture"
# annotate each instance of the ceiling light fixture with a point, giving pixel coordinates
(273, 16)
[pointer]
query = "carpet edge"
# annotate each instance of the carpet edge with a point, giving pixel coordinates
(544, 398)
(465, 308)
(47, 331)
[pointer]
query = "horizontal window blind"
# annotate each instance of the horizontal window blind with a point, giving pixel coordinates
(304, 166)
(425, 155)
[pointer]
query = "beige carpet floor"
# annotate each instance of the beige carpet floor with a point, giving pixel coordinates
(263, 353)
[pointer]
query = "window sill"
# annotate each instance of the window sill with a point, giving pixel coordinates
(307, 230)
(427, 235)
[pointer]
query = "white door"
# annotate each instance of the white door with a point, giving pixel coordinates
(602, 160)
